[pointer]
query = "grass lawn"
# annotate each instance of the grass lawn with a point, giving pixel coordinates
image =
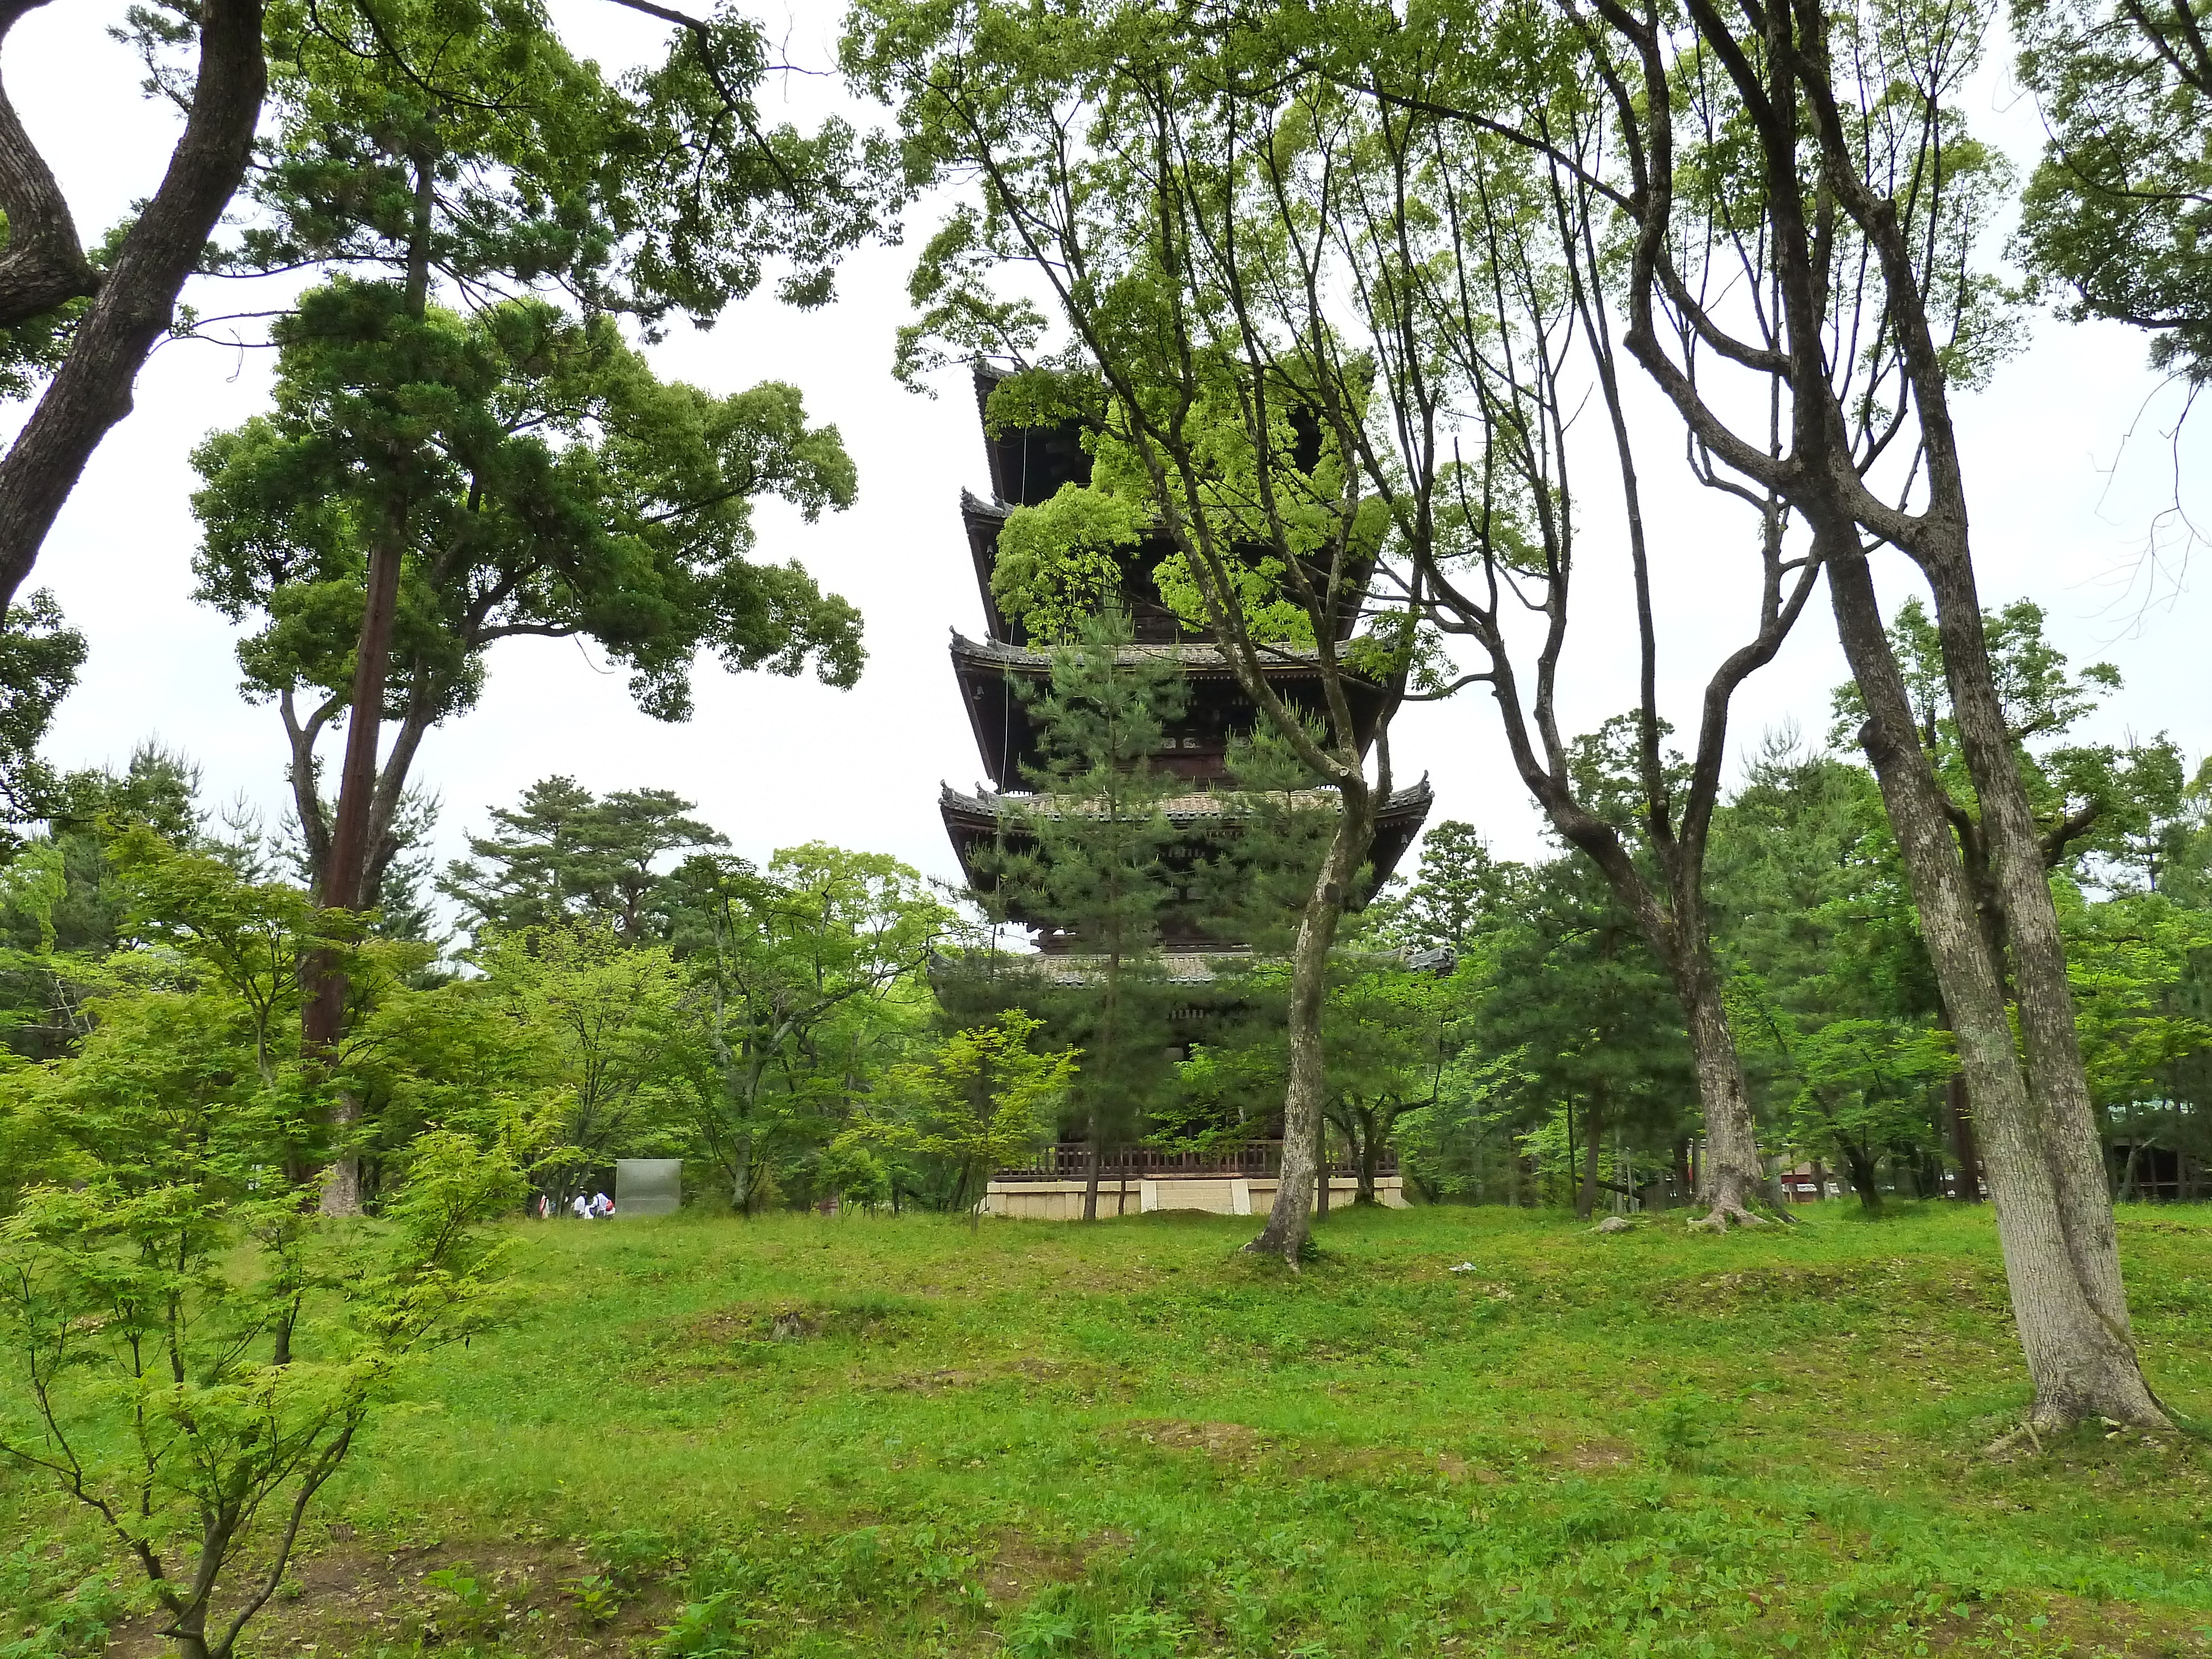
(807, 1437)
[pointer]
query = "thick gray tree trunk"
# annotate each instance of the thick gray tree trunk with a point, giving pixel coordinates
(1731, 1173)
(2057, 1080)
(1291, 1218)
(2061, 1257)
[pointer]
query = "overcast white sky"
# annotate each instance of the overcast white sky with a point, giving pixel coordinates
(2062, 513)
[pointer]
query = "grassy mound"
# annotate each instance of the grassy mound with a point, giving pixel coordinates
(1457, 1433)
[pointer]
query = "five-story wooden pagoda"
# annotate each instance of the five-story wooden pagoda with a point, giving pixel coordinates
(1028, 465)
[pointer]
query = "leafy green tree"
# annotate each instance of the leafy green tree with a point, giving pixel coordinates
(431, 483)
(442, 1056)
(1453, 900)
(2115, 213)
(196, 1359)
(982, 1100)
(252, 938)
(1574, 993)
(2093, 804)
(563, 855)
(1820, 159)
(1843, 1026)
(1389, 1032)
(602, 1018)
(198, 1350)
(537, 480)
(803, 986)
(39, 657)
(456, 145)
(1865, 1087)
(534, 479)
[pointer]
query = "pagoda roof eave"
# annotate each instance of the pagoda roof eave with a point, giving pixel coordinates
(1196, 657)
(988, 812)
(974, 507)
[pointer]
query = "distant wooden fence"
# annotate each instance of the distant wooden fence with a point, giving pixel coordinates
(1069, 1160)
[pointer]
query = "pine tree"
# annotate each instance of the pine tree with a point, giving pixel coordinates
(564, 854)
(1094, 858)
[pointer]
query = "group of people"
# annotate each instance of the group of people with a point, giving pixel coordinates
(598, 1207)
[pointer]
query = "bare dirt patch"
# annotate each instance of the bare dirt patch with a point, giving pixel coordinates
(350, 1601)
(796, 1319)
(2074, 1627)
(1225, 1443)
(1085, 1383)
(1021, 1566)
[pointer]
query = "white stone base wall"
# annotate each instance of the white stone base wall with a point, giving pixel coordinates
(1062, 1201)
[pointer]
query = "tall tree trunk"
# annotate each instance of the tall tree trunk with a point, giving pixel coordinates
(1090, 1163)
(323, 1015)
(2057, 1079)
(1290, 1218)
(137, 296)
(1731, 1174)
(2080, 1357)
(1593, 1138)
(352, 833)
(1865, 1178)
(1370, 1158)
(1321, 1163)
(1963, 1150)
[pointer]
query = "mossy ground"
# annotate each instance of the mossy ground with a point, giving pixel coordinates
(810, 1437)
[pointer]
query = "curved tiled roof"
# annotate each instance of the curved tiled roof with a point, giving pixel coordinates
(1196, 656)
(1192, 808)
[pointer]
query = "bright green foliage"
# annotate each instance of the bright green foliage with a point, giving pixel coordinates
(193, 1352)
(982, 1100)
(193, 1358)
(1389, 1034)
(663, 192)
(1551, 1061)
(562, 855)
(2115, 213)
(40, 656)
(1833, 995)
(601, 1016)
(446, 1055)
(249, 939)
(2090, 800)
(2141, 967)
(543, 482)
(1594, 1027)
(2123, 835)
(803, 987)
(1866, 1087)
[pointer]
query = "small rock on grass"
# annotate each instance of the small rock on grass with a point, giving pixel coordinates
(1615, 1223)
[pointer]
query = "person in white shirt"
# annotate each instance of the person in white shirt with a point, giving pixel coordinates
(601, 1205)
(582, 1207)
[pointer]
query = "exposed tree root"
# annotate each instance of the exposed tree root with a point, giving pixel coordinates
(1286, 1252)
(2001, 1449)
(2048, 1420)
(1726, 1213)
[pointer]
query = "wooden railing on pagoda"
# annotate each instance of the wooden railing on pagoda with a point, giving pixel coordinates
(1069, 1160)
